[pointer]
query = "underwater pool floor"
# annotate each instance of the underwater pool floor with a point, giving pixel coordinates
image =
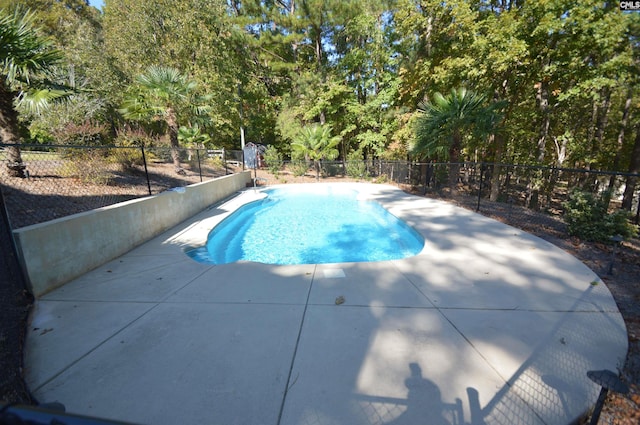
(487, 325)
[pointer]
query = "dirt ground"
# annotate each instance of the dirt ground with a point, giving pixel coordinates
(622, 279)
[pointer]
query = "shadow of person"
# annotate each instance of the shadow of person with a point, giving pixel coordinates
(424, 402)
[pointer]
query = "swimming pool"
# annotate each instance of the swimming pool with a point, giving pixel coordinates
(309, 225)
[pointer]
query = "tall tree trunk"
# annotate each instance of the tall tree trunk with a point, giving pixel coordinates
(497, 168)
(323, 118)
(599, 121)
(499, 144)
(319, 55)
(634, 168)
(591, 131)
(427, 35)
(620, 144)
(604, 120)
(454, 166)
(561, 150)
(172, 123)
(9, 131)
(542, 98)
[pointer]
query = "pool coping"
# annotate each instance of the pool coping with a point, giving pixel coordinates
(502, 331)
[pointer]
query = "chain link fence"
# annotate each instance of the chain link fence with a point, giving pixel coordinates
(525, 196)
(62, 180)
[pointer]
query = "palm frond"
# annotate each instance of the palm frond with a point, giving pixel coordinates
(35, 101)
(166, 83)
(444, 121)
(316, 142)
(23, 52)
(135, 107)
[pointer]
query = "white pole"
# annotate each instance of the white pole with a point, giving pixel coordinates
(241, 116)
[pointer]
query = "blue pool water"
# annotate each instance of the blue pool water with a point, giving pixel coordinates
(293, 226)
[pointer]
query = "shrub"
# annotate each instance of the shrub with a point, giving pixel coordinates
(87, 166)
(356, 167)
(214, 161)
(128, 153)
(273, 160)
(587, 217)
(85, 134)
(299, 168)
(382, 179)
(330, 169)
(127, 158)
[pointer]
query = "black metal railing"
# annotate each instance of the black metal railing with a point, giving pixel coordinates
(63, 180)
(59, 180)
(528, 194)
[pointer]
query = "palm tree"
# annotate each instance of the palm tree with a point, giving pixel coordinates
(316, 143)
(164, 94)
(444, 122)
(192, 137)
(26, 59)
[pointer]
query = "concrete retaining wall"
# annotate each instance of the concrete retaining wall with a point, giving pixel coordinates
(57, 251)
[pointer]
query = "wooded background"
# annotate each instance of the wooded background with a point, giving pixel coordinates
(567, 72)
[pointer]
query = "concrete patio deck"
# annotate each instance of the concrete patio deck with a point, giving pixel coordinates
(487, 325)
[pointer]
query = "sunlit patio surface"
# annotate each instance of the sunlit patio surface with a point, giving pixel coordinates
(487, 325)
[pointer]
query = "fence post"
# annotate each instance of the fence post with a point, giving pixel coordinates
(638, 210)
(146, 171)
(199, 165)
(480, 186)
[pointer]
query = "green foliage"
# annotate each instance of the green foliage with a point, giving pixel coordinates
(330, 169)
(193, 137)
(563, 68)
(40, 135)
(127, 157)
(129, 137)
(288, 123)
(26, 61)
(202, 39)
(316, 143)
(382, 179)
(299, 167)
(77, 113)
(273, 159)
(215, 162)
(24, 53)
(128, 153)
(445, 121)
(83, 134)
(588, 218)
(90, 166)
(356, 167)
(162, 93)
